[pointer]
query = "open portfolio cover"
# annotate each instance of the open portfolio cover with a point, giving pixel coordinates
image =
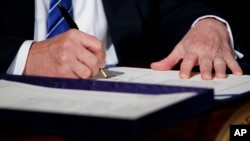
(92, 107)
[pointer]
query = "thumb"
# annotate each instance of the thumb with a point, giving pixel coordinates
(167, 63)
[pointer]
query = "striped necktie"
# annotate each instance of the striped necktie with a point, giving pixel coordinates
(56, 23)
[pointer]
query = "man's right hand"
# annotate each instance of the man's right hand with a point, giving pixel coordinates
(73, 54)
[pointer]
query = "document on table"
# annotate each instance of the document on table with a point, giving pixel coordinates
(22, 96)
(223, 88)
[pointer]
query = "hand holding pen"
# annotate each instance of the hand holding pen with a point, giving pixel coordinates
(72, 24)
(72, 54)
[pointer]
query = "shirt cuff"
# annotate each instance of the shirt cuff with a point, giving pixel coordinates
(18, 64)
(236, 53)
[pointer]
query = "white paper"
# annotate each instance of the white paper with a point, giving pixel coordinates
(223, 88)
(15, 95)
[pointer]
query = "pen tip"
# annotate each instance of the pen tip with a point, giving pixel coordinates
(103, 73)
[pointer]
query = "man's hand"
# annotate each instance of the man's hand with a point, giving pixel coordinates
(207, 44)
(72, 54)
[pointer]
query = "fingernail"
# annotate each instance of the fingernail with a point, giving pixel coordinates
(184, 76)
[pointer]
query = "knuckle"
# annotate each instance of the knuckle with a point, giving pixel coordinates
(72, 32)
(99, 44)
(66, 45)
(64, 52)
(63, 58)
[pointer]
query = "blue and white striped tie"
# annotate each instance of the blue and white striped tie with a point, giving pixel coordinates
(56, 23)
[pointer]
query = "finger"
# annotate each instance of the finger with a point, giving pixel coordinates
(206, 67)
(187, 65)
(220, 67)
(94, 45)
(166, 63)
(74, 68)
(64, 71)
(89, 59)
(81, 70)
(234, 66)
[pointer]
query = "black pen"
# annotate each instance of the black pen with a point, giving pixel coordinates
(72, 24)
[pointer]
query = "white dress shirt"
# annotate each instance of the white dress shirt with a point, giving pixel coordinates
(90, 17)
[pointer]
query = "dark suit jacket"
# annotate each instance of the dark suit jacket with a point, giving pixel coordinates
(142, 30)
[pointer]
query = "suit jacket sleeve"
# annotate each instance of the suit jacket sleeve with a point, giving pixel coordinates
(176, 18)
(16, 26)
